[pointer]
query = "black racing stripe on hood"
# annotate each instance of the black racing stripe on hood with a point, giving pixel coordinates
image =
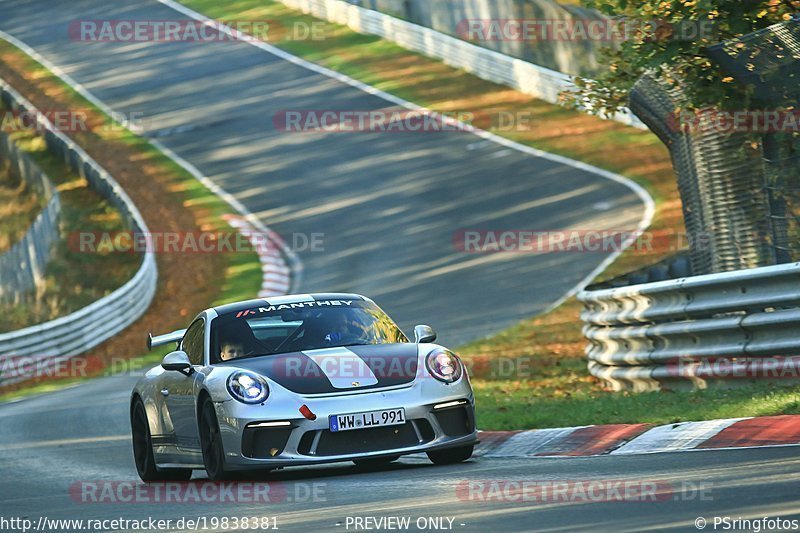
(294, 370)
(392, 364)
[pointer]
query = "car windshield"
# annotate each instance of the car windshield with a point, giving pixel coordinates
(294, 327)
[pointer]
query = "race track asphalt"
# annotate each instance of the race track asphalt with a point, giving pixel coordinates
(52, 473)
(389, 206)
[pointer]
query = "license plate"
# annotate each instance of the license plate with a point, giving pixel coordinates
(370, 419)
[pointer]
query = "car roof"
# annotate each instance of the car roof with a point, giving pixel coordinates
(288, 299)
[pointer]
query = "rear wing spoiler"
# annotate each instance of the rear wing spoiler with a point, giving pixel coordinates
(167, 338)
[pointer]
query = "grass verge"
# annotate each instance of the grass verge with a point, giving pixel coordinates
(554, 389)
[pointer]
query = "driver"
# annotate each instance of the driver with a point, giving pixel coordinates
(230, 350)
(341, 328)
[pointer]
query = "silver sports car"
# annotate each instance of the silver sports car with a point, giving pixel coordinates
(298, 380)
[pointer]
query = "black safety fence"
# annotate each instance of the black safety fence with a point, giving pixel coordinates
(737, 170)
(768, 61)
(720, 179)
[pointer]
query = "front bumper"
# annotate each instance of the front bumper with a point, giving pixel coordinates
(307, 442)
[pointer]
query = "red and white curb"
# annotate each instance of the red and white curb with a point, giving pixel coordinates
(684, 436)
(276, 273)
(631, 439)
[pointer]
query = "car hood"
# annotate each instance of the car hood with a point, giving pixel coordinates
(331, 370)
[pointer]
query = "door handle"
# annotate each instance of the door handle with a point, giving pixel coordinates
(165, 392)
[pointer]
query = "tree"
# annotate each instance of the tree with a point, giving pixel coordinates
(668, 40)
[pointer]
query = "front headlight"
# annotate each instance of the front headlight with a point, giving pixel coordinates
(444, 365)
(248, 387)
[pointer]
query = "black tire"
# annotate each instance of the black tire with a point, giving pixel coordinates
(451, 456)
(211, 443)
(143, 450)
(376, 462)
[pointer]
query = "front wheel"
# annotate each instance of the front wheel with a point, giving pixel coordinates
(211, 443)
(451, 456)
(143, 450)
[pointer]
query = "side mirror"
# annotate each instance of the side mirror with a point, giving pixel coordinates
(424, 334)
(177, 361)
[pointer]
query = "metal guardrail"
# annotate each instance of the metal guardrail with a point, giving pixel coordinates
(459, 17)
(641, 335)
(84, 329)
(540, 82)
(735, 323)
(23, 265)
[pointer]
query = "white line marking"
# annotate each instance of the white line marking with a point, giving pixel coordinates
(644, 196)
(501, 153)
(294, 264)
(64, 442)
